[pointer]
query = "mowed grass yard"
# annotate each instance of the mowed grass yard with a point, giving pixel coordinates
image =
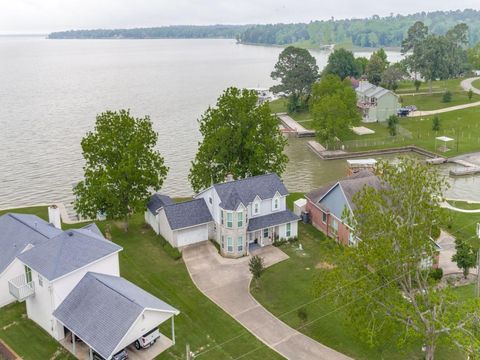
(289, 285)
(201, 324)
(435, 101)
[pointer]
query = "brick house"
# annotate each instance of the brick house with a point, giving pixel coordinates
(327, 204)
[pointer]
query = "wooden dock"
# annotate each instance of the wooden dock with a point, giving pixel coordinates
(291, 126)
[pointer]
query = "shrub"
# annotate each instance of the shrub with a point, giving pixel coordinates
(174, 253)
(436, 123)
(256, 267)
(392, 122)
(417, 84)
(470, 94)
(447, 96)
(436, 274)
(302, 314)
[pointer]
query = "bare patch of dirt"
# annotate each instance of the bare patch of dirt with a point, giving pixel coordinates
(325, 265)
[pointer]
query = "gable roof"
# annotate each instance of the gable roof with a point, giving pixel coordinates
(101, 309)
(349, 187)
(244, 191)
(19, 230)
(368, 89)
(67, 252)
(158, 201)
(187, 213)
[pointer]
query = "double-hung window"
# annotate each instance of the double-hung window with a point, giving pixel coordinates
(240, 244)
(288, 230)
(265, 233)
(275, 204)
(324, 217)
(229, 220)
(240, 219)
(229, 244)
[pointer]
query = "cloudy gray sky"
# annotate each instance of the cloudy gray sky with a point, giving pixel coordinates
(43, 16)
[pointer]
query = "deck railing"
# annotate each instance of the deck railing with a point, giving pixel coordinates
(20, 289)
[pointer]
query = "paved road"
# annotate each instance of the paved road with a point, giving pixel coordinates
(466, 85)
(226, 282)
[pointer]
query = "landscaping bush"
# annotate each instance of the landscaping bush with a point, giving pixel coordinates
(447, 96)
(392, 122)
(436, 123)
(436, 274)
(470, 94)
(417, 84)
(302, 314)
(174, 253)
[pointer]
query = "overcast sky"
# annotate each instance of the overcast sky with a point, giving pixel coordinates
(43, 16)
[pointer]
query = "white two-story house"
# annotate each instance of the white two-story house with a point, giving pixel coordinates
(70, 281)
(237, 214)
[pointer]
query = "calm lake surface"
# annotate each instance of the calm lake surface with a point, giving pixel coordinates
(51, 91)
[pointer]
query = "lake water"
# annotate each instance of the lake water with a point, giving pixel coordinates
(51, 91)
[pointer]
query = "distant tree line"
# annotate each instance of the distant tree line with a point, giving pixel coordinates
(389, 31)
(164, 32)
(376, 31)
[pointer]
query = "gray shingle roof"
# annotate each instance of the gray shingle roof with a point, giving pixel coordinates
(188, 213)
(101, 309)
(158, 201)
(272, 219)
(350, 186)
(19, 230)
(67, 252)
(244, 191)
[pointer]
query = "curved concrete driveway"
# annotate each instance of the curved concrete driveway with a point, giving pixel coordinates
(226, 282)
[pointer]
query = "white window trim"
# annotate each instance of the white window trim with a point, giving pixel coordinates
(231, 239)
(240, 238)
(287, 231)
(243, 220)
(226, 222)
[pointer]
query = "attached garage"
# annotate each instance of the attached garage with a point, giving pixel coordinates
(185, 223)
(192, 235)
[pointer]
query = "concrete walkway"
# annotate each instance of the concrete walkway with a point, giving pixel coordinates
(227, 282)
(466, 85)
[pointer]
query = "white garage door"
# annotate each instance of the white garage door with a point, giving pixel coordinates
(192, 235)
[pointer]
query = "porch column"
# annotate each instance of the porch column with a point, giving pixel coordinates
(173, 329)
(73, 344)
(90, 354)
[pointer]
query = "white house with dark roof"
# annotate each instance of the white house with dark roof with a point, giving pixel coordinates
(236, 214)
(375, 102)
(70, 281)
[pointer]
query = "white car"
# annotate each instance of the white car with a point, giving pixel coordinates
(147, 340)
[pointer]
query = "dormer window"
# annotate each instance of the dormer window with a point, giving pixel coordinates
(275, 204)
(256, 207)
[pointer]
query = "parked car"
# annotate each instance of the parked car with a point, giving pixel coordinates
(148, 339)
(121, 355)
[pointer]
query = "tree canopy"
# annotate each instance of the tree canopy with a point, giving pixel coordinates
(342, 63)
(473, 55)
(386, 282)
(121, 166)
(333, 106)
(240, 137)
(297, 70)
(376, 67)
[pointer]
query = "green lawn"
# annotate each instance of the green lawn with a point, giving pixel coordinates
(201, 323)
(440, 85)
(476, 84)
(289, 284)
(462, 225)
(435, 101)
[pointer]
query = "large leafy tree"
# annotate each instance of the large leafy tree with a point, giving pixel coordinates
(240, 137)
(342, 63)
(392, 75)
(297, 70)
(121, 166)
(473, 55)
(333, 106)
(376, 66)
(385, 282)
